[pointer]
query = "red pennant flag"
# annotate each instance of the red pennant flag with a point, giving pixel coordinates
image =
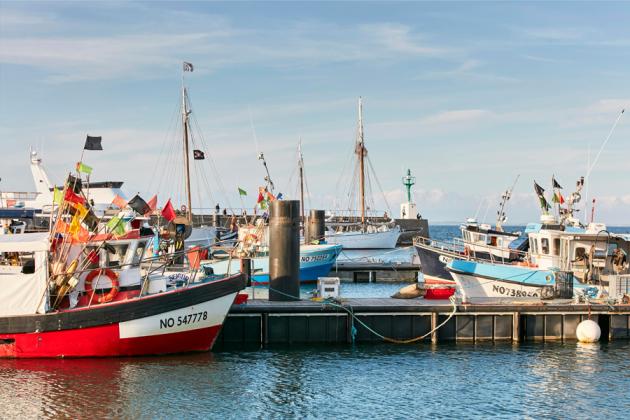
(168, 212)
(119, 202)
(152, 203)
(73, 198)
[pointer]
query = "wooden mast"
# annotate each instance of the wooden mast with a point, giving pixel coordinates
(361, 152)
(301, 167)
(185, 113)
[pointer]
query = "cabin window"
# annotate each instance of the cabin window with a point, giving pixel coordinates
(580, 254)
(139, 252)
(544, 245)
(556, 246)
(24, 262)
(493, 240)
(117, 258)
(482, 238)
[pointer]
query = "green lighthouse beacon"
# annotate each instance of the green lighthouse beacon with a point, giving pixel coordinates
(408, 210)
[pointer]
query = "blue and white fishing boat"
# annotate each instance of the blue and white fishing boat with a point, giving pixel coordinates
(590, 255)
(315, 261)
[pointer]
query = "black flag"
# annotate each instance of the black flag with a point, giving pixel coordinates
(188, 66)
(199, 155)
(555, 183)
(74, 183)
(539, 189)
(93, 143)
(139, 205)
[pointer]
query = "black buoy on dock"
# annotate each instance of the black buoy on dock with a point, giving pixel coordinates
(316, 226)
(284, 250)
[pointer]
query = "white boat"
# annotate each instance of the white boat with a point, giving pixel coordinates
(563, 256)
(101, 193)
(361, 235)
(378, 238)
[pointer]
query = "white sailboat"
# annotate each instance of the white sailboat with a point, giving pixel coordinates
(363, 235)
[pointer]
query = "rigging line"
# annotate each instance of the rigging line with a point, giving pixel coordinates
(610, 133)
(164, 160)
(213, 167)
(251, 123)
(378, 183)
(165, 141)
(601, 149)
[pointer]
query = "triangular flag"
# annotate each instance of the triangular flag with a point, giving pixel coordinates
(241, 191)
(168, 212)
(152, 203)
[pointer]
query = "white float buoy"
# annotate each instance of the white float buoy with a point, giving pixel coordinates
(588, 331)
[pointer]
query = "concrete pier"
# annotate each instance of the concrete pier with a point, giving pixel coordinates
(263, 323)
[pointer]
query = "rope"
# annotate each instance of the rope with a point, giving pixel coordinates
(353, 331)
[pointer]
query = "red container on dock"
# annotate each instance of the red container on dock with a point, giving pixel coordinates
(439, 292)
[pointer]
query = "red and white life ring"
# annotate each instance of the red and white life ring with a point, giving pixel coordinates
(113, 277)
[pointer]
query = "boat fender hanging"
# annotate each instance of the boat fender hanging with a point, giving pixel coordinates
(113, 277)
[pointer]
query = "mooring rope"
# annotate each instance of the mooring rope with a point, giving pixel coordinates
(337, 304)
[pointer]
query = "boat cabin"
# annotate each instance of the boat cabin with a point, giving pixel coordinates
(483, 241)
(23, 274)
(591, 254)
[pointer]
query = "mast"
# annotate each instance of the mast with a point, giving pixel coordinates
(185, 113)
(301, 167)
(360, 150)
(504, 199)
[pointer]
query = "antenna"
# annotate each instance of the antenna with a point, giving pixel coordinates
(601, 149)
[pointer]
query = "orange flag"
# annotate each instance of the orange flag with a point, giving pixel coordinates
(152, 203)
(119, 202)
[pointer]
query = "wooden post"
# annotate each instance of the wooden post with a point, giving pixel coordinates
(516, 327)
(434, 323)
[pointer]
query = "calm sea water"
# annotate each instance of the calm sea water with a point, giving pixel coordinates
(377, 381)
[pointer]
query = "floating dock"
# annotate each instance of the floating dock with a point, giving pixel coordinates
(262, 323)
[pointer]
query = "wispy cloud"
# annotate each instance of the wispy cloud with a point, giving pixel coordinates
(212, 42)
(458, 116)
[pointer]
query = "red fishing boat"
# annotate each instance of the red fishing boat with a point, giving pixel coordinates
(112, 309)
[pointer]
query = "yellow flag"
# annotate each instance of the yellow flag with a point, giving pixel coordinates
(75, 224)
(57, 197)
(81, 211)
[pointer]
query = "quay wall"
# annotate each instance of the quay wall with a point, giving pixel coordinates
(262, 323)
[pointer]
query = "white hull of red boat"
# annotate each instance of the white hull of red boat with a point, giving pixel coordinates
(121, 329)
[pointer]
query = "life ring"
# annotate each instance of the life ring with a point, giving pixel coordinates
(183, 208)
(113, 277)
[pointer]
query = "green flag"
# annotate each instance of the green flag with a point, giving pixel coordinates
(116, 225)
(57, 196)
(241, 191)
(82, 167)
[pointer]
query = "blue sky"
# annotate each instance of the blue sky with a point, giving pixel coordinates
(466, 95)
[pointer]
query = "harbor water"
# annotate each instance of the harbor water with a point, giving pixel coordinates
(559, 380)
